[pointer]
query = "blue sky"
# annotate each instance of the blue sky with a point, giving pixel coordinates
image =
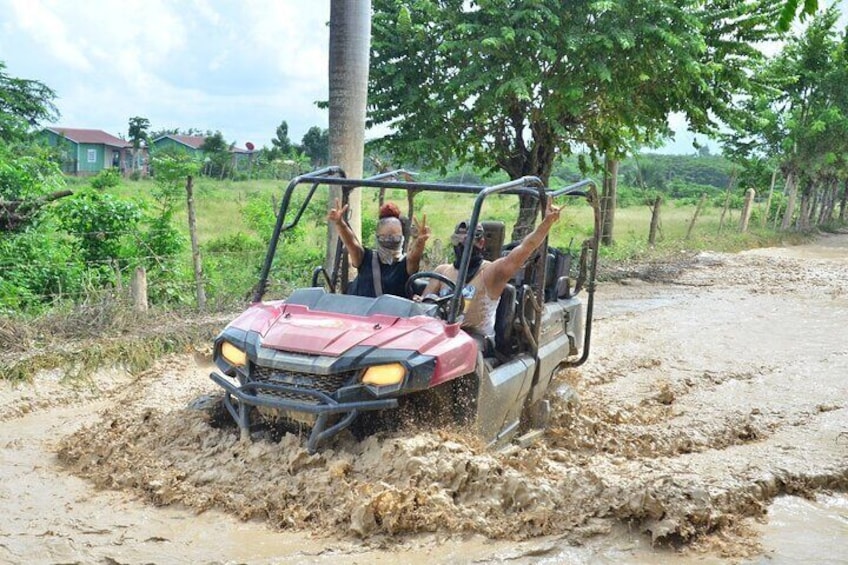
(240, 67)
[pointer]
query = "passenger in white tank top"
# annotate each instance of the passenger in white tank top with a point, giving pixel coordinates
(488, 278)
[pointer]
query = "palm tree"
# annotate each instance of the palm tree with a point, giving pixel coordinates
(350, 41)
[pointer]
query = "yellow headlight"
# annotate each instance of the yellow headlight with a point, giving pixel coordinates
(234, 356)
(382, 375)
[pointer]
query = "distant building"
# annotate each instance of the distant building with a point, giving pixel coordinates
(191, 144)
(89, 151)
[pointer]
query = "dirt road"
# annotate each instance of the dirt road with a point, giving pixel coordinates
(709, 397)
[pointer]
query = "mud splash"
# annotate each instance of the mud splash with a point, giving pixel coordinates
(704, 399)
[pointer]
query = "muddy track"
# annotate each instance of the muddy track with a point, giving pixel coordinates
(707, 395)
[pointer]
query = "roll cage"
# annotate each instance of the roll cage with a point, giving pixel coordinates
(534, 272)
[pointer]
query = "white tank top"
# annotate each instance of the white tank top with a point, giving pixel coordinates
(480, 308)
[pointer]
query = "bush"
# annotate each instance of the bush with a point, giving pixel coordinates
(37, 265)
(234, 243)
(101, 223)
(107, 178)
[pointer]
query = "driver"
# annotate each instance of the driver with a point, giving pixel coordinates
(487, 279)
(385, 269)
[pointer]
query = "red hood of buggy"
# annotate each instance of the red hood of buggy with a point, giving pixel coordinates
(296, 328)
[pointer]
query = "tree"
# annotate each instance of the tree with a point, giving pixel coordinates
(23, 104)
(316, 145)
(217, 155)
(350, 37)
(138, 127)
(509, 86)
(801, 121)
(282, 143)
(791, 11)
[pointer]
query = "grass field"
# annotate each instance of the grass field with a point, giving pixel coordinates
(220, 206)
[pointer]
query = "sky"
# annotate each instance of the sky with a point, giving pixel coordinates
(240, 67)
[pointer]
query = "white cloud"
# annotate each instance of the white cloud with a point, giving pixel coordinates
(47, 29)
(237, 67)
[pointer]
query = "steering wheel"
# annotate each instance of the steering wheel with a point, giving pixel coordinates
(442, 301)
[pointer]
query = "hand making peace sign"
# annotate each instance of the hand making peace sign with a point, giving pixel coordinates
(422, 230)
(337, 214)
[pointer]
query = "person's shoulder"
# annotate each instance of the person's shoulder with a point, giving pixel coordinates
(486, 264)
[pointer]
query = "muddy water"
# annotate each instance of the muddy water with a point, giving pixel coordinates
(708, 427)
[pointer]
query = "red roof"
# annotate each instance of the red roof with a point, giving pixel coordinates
(90, 136)
(195, 141)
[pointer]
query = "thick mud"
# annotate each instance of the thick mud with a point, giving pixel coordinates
(706, 398)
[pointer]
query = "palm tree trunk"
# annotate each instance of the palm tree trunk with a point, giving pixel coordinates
(350, 41)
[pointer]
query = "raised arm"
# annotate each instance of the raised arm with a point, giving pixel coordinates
(354, 248)
(505, 268)
(413, 258)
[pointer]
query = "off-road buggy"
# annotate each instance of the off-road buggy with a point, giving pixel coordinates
(321, 361)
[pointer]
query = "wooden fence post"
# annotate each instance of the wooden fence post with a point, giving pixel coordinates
(138, 289)
(119, 284)
(747, 208)
(195, 247)
(726, 200)
(695, 217)
(655, 221)
(764, 219)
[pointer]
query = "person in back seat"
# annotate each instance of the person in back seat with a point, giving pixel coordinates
(487, 279)
(385, 269)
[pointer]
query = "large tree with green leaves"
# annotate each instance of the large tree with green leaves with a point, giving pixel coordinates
(800, 120)
(24, 103)
(510, 85)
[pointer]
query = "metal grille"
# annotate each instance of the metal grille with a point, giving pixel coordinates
(324, 383)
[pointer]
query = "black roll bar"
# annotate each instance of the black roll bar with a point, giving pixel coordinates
(528, 185)
(317, 177)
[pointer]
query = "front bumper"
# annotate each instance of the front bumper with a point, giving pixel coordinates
(240, 400)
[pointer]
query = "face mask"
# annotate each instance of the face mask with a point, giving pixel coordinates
(390, 242)
(389, 248)
(474, 263)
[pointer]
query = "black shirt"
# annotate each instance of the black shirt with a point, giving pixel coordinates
(393, 277)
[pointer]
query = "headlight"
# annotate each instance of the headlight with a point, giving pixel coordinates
(233, 355)
(383, 375)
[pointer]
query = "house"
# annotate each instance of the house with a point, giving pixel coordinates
(192, 144)
(89, 151)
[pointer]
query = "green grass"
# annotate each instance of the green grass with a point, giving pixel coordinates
(219, 213)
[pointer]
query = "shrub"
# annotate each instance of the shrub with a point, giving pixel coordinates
(101, 223)
(37, 265)
(107, 178)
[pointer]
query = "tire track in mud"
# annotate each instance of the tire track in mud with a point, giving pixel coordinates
(686, 430)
